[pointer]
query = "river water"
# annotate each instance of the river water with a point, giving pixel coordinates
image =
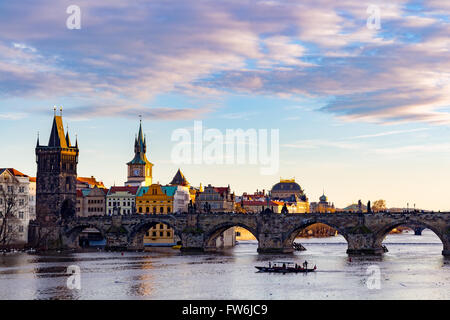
(412, 269)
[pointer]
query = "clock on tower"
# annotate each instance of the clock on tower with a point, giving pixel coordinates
(139, 169)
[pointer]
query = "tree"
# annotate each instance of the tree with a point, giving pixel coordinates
(379, 205)
(9, 224)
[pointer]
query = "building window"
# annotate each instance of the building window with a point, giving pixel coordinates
(20, 228)
(20, 215)
(154, 209)
(140, 209)
(161, 226)
(161, 234)
(161, 209)
(154, 233)
(168, 233)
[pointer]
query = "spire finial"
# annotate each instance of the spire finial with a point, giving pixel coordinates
(54, 110)
(60, 110)
(140, 118)
(37, 143)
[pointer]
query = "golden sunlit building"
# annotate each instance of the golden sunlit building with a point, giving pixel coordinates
(290, 192)
(323, 206)
(157, 199)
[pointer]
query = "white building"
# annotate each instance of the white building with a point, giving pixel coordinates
(14, 185)
(181, 199)
(121, 200)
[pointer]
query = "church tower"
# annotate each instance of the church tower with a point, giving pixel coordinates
(139, 169)
(56, 176)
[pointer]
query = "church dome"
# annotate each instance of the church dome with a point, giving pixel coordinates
(323, 198)
(286, 186)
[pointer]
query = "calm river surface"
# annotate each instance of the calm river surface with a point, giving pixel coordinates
(412, 269)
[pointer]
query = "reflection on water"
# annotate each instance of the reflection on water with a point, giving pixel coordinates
(412, 269)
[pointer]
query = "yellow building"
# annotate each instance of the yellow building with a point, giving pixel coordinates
(157, 199)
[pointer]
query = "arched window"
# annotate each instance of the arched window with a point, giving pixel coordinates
(168, 209)
(140, 209)
(154, 209)
(161, 209)
(68, 186)
(147, 209)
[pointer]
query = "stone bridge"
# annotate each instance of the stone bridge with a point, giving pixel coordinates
(275, 232)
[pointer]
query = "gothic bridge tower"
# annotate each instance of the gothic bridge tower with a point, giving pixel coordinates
(56, 176)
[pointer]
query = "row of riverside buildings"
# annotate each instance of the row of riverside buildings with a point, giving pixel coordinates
(138, 195)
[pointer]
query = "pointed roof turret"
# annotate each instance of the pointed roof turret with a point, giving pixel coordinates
(179, 179)
(37, 143)
(67, 137)
(140, 148)
(57, 138)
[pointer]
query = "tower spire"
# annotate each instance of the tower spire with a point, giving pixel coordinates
(37, 143)
(67, 136)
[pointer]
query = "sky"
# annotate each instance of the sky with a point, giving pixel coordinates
(362, 111)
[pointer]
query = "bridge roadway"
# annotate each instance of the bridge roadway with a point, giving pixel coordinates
(275, 232)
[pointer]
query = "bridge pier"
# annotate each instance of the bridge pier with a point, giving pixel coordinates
(363, 244)
(272, 243)
(193, 241)
(418, 231)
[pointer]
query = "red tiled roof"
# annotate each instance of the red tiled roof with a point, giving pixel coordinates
(14, 172)
(260, 203)
(132, 190)
(91, 181)
(221, 190)
(32, 179)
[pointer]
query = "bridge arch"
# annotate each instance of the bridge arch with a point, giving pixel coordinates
(211, 235)
(137, 233)
(381, 233)
(72, 234)
(294, 231)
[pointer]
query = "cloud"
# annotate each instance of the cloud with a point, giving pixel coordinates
(417, 149)
(318, 143)
(13, 116)
(317, 49)
(132, 111)
(388, 133)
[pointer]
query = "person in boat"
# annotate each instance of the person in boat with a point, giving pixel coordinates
(284, 265)
(305, 264)
(270, 264)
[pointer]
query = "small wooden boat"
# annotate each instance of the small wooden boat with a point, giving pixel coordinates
(285, 267)
(178, 246)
